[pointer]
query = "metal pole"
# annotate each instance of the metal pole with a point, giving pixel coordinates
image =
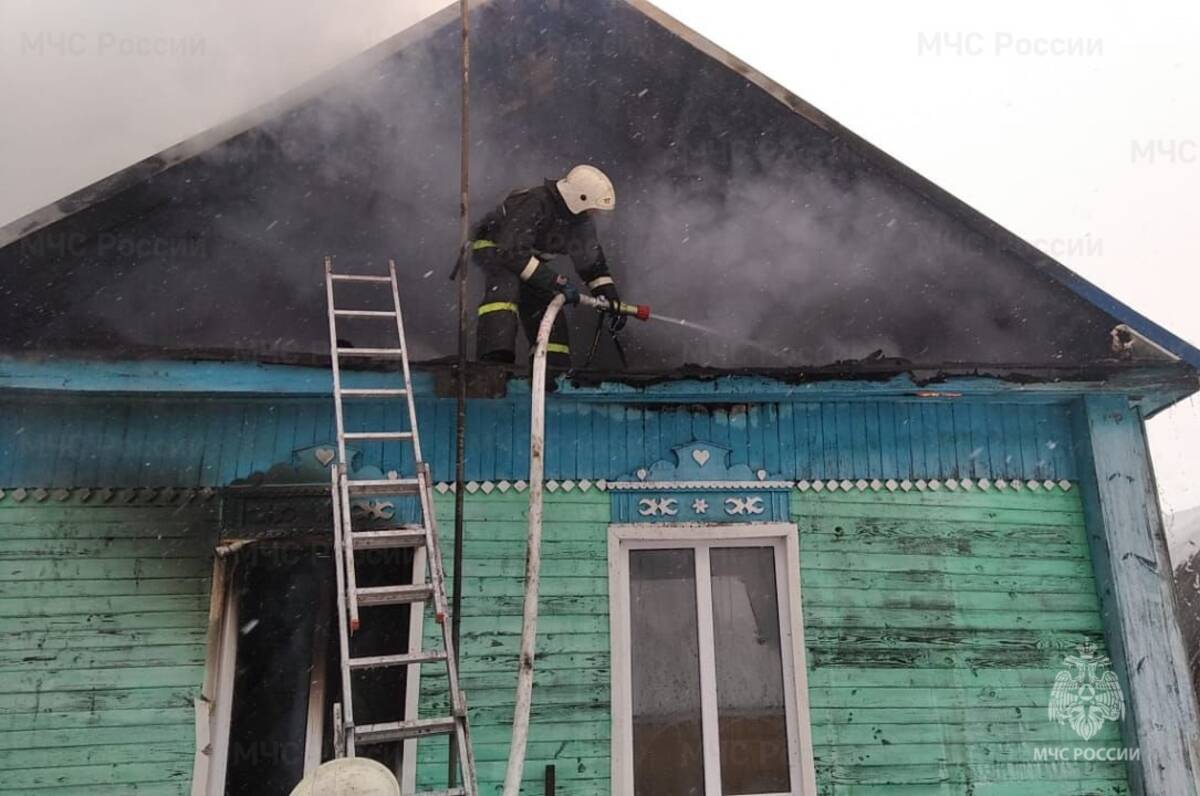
(533, 556)
(460, 435)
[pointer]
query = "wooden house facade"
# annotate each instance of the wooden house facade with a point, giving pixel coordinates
(939, 569)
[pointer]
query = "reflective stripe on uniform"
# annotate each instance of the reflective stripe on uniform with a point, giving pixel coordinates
(530, 267)
(476, 245)
(557, 348)
(497, 306)
(600, 281)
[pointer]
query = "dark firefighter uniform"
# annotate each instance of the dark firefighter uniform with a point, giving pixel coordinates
(510, 245)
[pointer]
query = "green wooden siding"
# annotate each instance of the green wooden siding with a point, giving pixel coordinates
(103, 614)
(571, 721)
(935, 624)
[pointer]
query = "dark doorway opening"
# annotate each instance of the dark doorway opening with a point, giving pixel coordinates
(288, 670)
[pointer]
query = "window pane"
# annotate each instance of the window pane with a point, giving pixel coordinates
(668, 750)
(752, 721)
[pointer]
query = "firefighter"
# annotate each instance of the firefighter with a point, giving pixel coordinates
(512, 244)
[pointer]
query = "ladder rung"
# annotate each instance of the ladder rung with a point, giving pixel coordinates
(378, 435)
(358, 278)
(401, 730)
(380, 661)
(343, 351)
(372, 392)
(388, 538)
(394, 595)
(365, 313)
(398, 486)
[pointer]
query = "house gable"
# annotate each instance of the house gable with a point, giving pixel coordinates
(740, 208)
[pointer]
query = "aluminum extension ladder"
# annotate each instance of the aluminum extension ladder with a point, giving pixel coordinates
(348, 735)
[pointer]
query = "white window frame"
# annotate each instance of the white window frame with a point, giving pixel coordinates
(781, 536)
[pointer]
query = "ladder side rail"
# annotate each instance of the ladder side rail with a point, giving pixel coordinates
(412, 408)
(437, 574)
(416, 627)
(348, 549)
(458, 706)
(346, 726)
(333, 362)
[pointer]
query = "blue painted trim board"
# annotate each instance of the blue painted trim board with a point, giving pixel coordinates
(250, 378)
(192, 441)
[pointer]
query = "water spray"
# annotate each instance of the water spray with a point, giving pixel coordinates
(642, 313)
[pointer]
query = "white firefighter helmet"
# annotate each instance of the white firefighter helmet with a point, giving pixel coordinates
(349, 776)
(587, 188)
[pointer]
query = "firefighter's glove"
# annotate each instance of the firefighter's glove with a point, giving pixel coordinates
(564, 286)
(616, 321)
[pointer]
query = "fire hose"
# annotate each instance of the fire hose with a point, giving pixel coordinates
(533, 558)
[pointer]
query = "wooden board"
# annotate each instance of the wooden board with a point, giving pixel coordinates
(103, 610)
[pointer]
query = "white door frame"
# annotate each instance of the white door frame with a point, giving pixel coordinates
(214, 706)
(781, 536)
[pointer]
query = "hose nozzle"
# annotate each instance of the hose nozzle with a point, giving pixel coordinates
(639, 311)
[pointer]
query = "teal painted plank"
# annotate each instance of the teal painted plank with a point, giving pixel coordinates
(190, 455)
(908, 460)
(948, 600)
(961, 775)
(45, 722)
(844, 561)
(961, 439)
(1032, 460)
(10, 431)
(235, 434)
(802, 436)
(1013, 449)
(874, 441)
(616, 438)
(858, 439)
(113, 442)
(653, 436)
(98, 700)
(210, 459)
(55, 439)
(978, 788)
(739, 436)
(1078, 621)
(567, 439)
(916, 439)
(891, 458)
(981, 466)
(931, 439)
(790, 436)
(1062, 441)
(485, 435)
(995, 447)
(715, 424)
(159, 765)
(831, 439)
(946, 442)
(35, 739)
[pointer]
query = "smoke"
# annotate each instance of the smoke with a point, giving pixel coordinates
(103, 85)
(814, 270)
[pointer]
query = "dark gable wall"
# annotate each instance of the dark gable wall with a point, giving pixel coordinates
(733, 212)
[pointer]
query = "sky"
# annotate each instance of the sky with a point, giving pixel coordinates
(1074, 124)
